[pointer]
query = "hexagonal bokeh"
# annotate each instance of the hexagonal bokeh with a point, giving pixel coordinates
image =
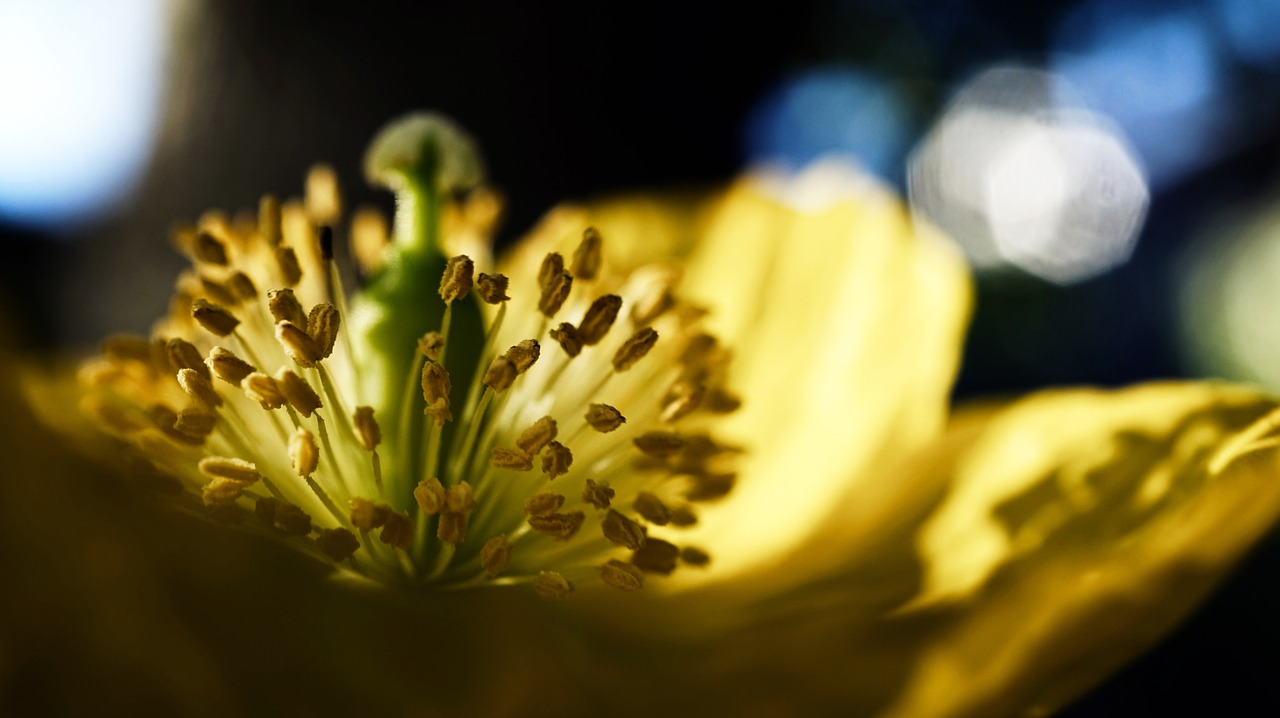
(1020, 175)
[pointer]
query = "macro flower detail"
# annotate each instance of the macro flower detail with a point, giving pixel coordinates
(540, 429)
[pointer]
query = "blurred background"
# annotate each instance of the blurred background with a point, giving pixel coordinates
(1110, 167)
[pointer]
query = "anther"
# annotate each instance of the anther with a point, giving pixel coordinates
(397, 531)
(227, 366)
(199, 388)
(304, 455)
(435, 392)
(552, 264)
(263, 389)
(623, 531)
(551, 584)
(683, 516)
(431, 345)
(222, 492)
(182, 354)
(369, 239)
(656, 556)
(554, 292)
(599, 318)
(366, 515)
(195, 422)
(125, 347)
(283, 517)
(225, 467)
(209, 249)
(598, 495)
(216, 291)
(290, 271)
(604, 418)
(338, 544)
(558, 526)
(634, 349)
(694, 556)
(298, 344)
(297, 392)
(322, 325)
(452, 527)
(524, 354)
(457, 280)
(461, 498)
(682, 399)
(285, 307)
(537, 436)
(622, 576)
(587, 257)
(651, 508)
(492, 288)
(719, 401)
(322, 198)
(215, 319)
(514, 459)
(325, 240)
(242, 287)
(367, 430)
(556, 460)
(495, 555)
(269, 220)
(501, 373)
(431, 497)
(659, 444)
(569, 339)
(543, 503)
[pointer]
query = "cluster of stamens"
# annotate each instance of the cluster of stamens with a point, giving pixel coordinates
(578, 438)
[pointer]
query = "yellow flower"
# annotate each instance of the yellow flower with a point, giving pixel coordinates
(737, 402)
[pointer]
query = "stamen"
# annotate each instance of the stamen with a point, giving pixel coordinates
(285, 307)
(435, 391)
(524, 354)
(659, 444)
(269, 220)
(366, 515)
(199, 388)
(550, 584)
(323, 200)
(215, 319)
(431, 497)
(682, 399)
(492, 288)
(599, 319)
(367, 430)
(501, 374)
(263, 389)
(561, 527)
(304, 455)
(183, 355)
(209, 249)
(369, 239)
(495, 555)
(656, 556)
(216, 291)
(652, 509)
(598, 495)
(195, 422)
(431, 345)
(622, 576)
(297, 392)
(338, 544)
(282, 516)
(537, 436)
(694, 556)
(242, 287)
(457, 280)
(543, 503)
(514, 459)
(554, 292)
(224, 467)
(604, 418)
(683, 516)
(556, 460)
(634, 349)
(587, 257)
(227, 366)
(222, 492)
(298, 344)
(290, 270)
(397, 530)
(623, 531)
(569, 338)
(322, 325)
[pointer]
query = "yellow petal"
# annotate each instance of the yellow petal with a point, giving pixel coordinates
(1078, 526)
(845, 320)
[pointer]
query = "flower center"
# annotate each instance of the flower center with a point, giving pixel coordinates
(562, 435)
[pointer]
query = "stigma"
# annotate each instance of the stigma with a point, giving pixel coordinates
(549, 429)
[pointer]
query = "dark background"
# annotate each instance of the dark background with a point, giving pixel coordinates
(573, 101)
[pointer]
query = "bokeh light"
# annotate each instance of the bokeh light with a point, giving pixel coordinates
(1020, 174)
(82, 85)
(833, 110)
